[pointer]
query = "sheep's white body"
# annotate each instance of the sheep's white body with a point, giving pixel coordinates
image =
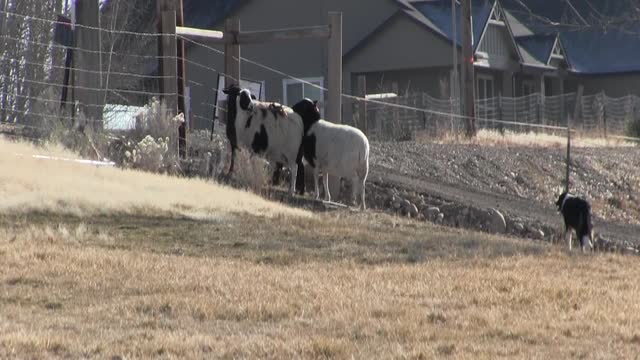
(341, 151)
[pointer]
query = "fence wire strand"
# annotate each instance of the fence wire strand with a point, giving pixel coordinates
(398, 118)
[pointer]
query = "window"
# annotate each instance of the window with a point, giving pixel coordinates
(294, 91)
(485, 86)
(485, 91)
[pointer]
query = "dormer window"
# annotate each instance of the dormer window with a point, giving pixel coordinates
(557, 52)
(496, 16)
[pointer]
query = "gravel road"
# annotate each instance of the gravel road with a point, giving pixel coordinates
(520, 181)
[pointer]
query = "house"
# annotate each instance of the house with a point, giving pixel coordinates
(302, 59)
(601, 48)
(407, 46)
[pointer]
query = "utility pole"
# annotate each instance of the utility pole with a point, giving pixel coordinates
(182, 83)
(87, 60)
(454, 45)
(467, 69)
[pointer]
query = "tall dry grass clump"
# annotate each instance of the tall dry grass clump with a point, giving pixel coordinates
(528, 139)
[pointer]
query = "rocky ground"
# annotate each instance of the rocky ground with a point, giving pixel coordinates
(474, 186)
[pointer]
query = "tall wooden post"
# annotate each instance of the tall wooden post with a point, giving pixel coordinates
(334, 97)
(467, 69)
(568, 169)
(87, 61)
(168, 60)
(172, 65)
(232, 52)
(182, 83)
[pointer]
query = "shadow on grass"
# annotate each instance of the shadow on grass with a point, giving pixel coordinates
(369, 237)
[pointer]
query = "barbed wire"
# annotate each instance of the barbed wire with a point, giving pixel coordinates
(81, 26)
(361, 99)
(128, 91)
(88, 51)
(87, 71)
(451, 115)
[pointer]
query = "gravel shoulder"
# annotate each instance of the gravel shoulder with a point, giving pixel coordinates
(520, 182)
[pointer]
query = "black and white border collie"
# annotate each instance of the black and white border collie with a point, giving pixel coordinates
(576, 212)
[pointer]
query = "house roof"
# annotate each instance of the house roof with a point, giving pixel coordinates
(595, 52)
(536, 49)
(437, 17)
(591, 47)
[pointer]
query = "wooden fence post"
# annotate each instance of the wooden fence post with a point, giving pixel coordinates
(182, 83)
(232, 52)
(87, 60)
(334, 98)
(568, 169)
(169, 62)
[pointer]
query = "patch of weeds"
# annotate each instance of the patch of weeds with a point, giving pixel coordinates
(53, 305)
(436, 318)
(446, 350)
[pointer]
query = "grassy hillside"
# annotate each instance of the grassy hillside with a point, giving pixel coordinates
(32, 184)
(104, 263)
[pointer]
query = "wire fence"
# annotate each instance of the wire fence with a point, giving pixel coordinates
(37, 89)
(400, 118)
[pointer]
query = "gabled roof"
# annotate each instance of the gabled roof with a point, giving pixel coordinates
(436, 16)
(590, 46)
(595, 52)
(544, 16)
(537, 48)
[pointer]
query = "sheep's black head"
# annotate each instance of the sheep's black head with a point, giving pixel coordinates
(308, 111)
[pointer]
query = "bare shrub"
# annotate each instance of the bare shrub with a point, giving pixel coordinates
(633, 128)
(149, 154)
(157, 121)
(153, 144)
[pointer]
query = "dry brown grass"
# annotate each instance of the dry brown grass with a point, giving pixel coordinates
(530, 139)
(133, 272)
(28, 184)
(71, 291)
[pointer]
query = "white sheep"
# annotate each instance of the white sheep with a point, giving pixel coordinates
(337, 150)
(266, 128)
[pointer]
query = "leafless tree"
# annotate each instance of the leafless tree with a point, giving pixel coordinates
(129, 46)
(27, 56)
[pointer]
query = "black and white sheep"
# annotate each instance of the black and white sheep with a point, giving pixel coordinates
(266, 128)
(333, 149)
